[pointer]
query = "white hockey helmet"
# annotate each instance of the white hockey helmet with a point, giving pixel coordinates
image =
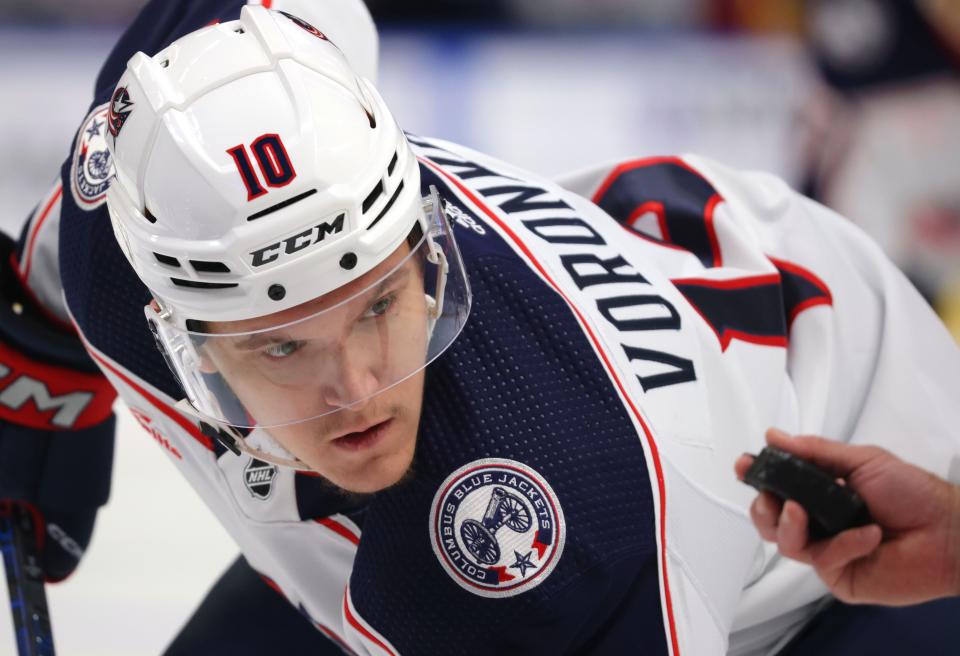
(267, 198)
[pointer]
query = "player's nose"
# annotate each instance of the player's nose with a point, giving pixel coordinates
(348, 380)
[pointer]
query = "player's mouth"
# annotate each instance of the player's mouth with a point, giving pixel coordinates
(364, 438)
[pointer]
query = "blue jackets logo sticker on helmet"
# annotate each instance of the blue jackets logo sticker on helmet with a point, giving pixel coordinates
(307, 26)
(120, 108)
(497, 527)
(92, 163)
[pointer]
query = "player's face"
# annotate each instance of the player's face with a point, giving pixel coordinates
(336, 364)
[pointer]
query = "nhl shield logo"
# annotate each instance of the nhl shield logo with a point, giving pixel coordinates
(258, 477)
(497, 527)
(92, 165)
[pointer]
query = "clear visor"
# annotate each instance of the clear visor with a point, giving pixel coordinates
(334, 352)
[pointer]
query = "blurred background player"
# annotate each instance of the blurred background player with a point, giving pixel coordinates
(886, 153)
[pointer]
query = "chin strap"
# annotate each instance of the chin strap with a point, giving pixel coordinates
(234, 441)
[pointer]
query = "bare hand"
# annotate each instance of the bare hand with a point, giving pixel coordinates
(912, 552)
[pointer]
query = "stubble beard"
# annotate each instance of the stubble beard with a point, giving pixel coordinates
(398, 413)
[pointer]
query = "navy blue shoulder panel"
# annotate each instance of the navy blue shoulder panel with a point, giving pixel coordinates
(106, 297)
(521, 383)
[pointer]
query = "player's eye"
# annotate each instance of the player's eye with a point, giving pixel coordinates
(282, 350)
(380, 308)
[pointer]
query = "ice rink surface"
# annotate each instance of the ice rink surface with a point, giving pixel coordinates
(548, 103)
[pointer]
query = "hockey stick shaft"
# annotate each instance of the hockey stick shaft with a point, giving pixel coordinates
(28, 600)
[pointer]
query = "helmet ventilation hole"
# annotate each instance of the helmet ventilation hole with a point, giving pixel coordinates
(348, 261)
(276, 292)
(167, 259)
(202, 266)
(372, 196)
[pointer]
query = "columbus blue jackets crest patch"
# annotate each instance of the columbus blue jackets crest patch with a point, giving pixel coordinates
(497, 527)
(92, 164)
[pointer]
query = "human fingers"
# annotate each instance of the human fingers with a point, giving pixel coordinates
(834, 559)
(792, 532)
(837, 457)
(765, 513)
(742, 464)
(843, 548)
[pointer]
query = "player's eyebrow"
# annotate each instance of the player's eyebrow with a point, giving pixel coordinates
(394, 278)
(258, 340)
(253, 342)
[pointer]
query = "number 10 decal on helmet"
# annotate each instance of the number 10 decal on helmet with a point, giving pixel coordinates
(272, 159)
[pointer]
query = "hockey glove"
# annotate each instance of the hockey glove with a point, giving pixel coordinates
(56, 425)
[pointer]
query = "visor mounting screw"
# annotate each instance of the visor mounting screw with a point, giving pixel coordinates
(276, 292)
(348, 261)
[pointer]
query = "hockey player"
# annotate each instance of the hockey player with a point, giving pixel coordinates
(444, 405)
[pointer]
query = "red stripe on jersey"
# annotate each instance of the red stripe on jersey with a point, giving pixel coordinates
(157, 403)
(320, 627)
(811, 277)
(339, 529)
(31, 240)
(636, 164)
(355, 623)
(711, 230)
(731, 283)
(333, 636)
(656, 207)
(273, 585)
(658, 468)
